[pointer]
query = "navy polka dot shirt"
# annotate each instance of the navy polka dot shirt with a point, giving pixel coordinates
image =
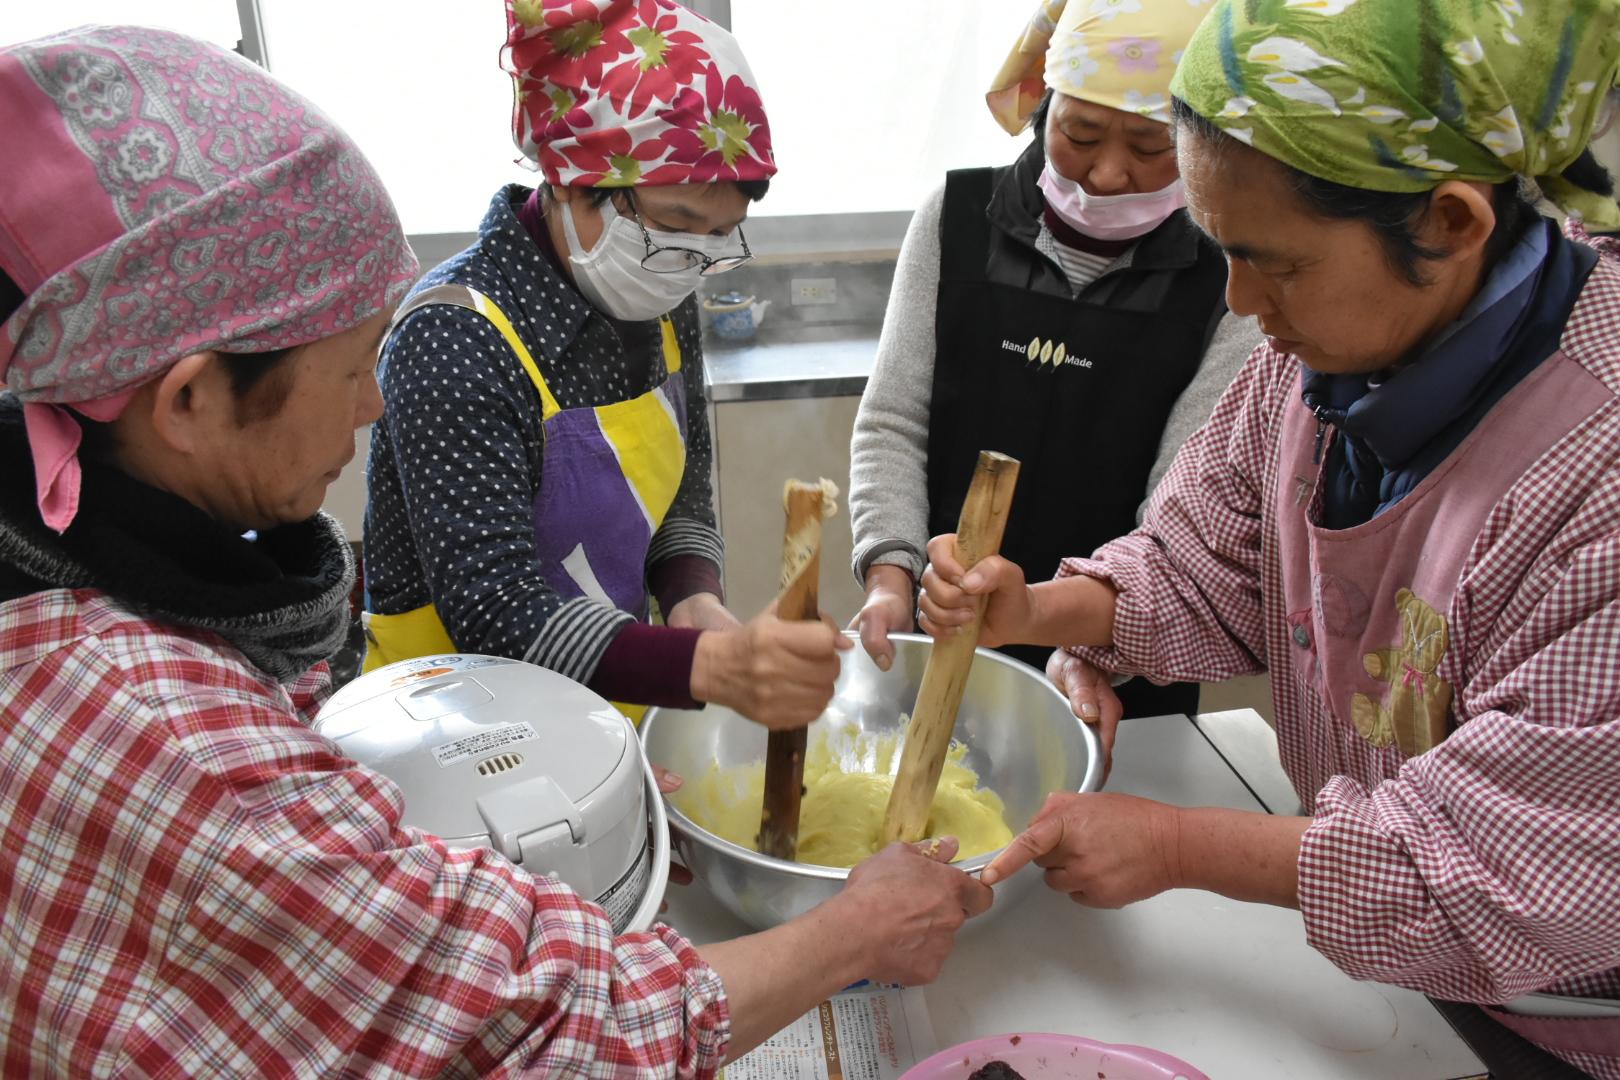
(455, 459)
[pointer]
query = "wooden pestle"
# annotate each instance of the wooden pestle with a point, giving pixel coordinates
(807, 505)
(933, 719)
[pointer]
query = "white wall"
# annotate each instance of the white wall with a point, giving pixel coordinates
(346, 499)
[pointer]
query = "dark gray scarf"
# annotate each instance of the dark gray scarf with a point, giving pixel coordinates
(281, 598)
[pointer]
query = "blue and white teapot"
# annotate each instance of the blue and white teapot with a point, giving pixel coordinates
(734, 316)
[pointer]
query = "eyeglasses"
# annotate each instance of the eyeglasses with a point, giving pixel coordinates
(673, 259)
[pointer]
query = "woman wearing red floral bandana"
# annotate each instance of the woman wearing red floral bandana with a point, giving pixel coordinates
(541, 472)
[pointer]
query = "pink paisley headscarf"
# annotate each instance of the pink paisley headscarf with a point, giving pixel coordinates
(163, 197)
(616, 93)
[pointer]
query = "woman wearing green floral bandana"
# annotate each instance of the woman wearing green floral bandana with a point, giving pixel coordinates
(1406, 510)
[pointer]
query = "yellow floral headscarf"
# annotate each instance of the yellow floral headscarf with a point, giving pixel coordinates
(1118, 53)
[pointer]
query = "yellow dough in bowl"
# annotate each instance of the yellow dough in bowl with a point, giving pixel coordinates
(847, 782)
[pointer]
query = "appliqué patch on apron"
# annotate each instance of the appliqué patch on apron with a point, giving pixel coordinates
(1413, 713)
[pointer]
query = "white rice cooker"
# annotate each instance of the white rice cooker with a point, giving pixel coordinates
(502, 754)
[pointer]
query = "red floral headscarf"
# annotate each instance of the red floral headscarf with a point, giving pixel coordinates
(617, 93)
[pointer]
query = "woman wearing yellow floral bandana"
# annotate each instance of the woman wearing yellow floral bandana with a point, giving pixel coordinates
(1061, 309)
(1406, 509)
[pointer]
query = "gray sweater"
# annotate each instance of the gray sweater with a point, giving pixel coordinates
(888, 490)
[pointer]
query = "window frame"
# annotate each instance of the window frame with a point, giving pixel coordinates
(251, 43)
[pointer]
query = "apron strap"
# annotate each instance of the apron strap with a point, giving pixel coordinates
(965, 218)
(672, 348)
(471, 299)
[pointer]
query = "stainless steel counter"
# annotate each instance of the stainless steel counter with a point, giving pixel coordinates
(808, 362)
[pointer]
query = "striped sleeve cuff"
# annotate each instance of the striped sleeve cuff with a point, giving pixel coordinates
(683, 536)
(573, 640)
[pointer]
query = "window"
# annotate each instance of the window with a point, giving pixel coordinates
(868, 108)
(418, 84)
(211, 20)
(871, 106)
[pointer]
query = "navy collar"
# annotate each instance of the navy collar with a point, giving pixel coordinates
(1392, 432)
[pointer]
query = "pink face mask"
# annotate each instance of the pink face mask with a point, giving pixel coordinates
(1110, 217)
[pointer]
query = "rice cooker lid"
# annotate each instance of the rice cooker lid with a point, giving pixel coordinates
(473, 738)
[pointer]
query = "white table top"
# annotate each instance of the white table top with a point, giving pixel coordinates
(1230, 987)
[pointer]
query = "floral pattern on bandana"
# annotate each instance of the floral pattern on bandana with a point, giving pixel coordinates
(1136, 54)
(1400, 95)
(1118, 53)
(213, 209)
(617, 93)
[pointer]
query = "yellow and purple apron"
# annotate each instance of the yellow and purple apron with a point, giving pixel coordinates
(607, 478)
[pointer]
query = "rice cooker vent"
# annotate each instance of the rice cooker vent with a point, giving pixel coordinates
(494, 766)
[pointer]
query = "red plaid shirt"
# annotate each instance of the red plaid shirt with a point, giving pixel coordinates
(193, 883)
(1488, 867)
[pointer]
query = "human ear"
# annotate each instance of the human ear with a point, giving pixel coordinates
(187, 397)
(1461, 218)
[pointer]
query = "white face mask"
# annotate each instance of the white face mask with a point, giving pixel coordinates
(1109, 217)
(611, 277)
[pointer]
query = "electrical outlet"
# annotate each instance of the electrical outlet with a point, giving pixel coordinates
(815, 290)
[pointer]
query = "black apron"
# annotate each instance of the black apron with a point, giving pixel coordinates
(1077, 389)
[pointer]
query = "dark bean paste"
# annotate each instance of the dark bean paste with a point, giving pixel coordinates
(995, 1070)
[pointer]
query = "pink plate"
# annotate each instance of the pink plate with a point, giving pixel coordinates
(1054, 1057)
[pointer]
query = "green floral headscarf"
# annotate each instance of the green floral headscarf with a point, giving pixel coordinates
(1400, 95)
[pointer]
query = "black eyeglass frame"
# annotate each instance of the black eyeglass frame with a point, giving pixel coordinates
(711, 266)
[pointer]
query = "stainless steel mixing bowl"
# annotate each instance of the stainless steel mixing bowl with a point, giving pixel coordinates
(1022, 740)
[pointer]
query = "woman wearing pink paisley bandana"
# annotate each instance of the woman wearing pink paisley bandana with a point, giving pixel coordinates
(196, 268)
(541, 473)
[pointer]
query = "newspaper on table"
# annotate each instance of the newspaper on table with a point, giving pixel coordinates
(868, 1032)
